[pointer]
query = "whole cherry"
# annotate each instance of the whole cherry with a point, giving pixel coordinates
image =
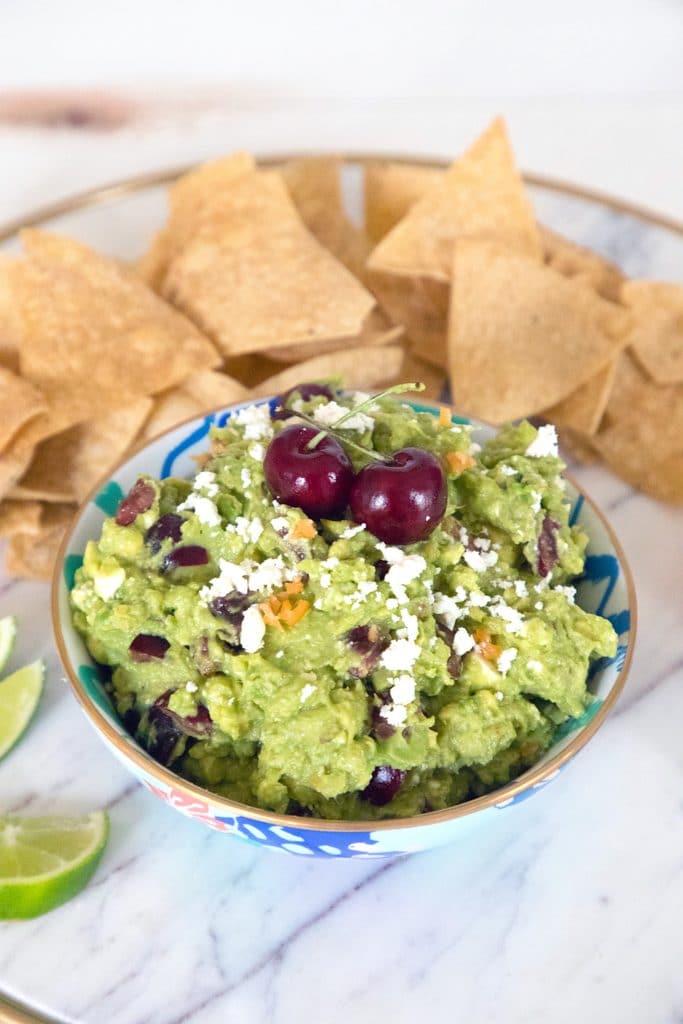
(402, 499)
(316, 479)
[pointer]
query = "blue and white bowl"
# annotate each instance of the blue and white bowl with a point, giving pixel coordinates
(605, 588)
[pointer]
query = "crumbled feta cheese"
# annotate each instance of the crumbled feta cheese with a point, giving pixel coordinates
(569, 593)
(499, 695)
(403, 570)
(539, 606)
(534, 665)
(394, 714)
(462, 641)
(535, 502)
(106, 584)
(279, 654)
(191, 687)
(478, 599)
(325, 580)
(230, 577)
(256, 421)
(480, 561)
(280, 524)
(392, 603)
(482, 543)
(257, 452)
(206, 481)
(307, 691)
(253, 630)
(410, 625)
(545, 442)
(505, 660)
(508, 470)
(464, 536)
(365, 588)
(269, 575)
(248, 530)
(328, 414)
(351, 531)
(449, 608)
(514, 620)
(400, 655)
(204, 509)
(521, 589)
(403, 690)
(245, 477)
(330, 563)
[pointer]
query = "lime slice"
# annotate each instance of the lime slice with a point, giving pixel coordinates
(8, 633)
(46, 861)
(19, 696)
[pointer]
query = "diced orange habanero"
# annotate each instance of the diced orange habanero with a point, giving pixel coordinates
(303, 529)
(486, 647)
(293, 614)
(294, 586)
(458, 462)
(269, 616)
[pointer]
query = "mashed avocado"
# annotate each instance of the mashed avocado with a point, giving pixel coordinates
(306, 666)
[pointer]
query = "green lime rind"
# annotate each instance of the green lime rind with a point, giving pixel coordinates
(20, 695)
(44, 862)
(8, 634)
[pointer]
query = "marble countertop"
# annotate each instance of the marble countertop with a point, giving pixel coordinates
(567, 909)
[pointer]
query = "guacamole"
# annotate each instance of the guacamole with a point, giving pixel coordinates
(305, 666)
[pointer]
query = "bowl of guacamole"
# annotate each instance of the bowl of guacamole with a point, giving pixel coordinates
(341, 624)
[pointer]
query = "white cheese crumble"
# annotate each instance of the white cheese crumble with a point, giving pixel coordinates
(245, 477)
(539, 606)
(500, 695)
(521, 589)
(462, 641)
(449, 607)
(280, 654)
(534, 665)
(545, 442)
(535, 501)
(204, 509)
(257, 452)
(327, 415)
(105, 585)
(307, 691)
(478, 599)
(269, 575)
(400, 655)
(280, 524)
(253, 630)
(403, 690)
(508, 470)
(482, 543)
(409, 630)
(505, 660)
(206, 481)
(248, 575)
(191, 687)
(514, 620)
(325, 580)
(256, 422)
(403, 570)
(480, 561)
(569, 593)
(248, 530)
(394, 714)
(351, 531)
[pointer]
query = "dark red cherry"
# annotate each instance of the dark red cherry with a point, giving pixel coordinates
(546, 549)
(139, 498)
(303, 391)
(316, 480)
(185, 557)
(384, 785)
(403, 500)
(147, 646)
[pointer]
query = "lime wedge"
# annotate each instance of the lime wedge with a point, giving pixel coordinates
(19, 696)
(46, 861)
(8, 633)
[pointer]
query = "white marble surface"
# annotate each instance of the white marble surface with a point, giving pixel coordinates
(566, 909)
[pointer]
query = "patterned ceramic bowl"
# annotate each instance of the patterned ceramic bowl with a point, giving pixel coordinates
(605, 588)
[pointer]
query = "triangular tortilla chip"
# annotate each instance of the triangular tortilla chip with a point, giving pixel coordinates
(521, 335)
(67, 466)
(9, 326)
(14, 462)
(257, 278)
(94, 337)
(31, 555)
(576, 447)
(20, 402)
(19, 517)
(198, 394)
(572, 260)
(421, 304)
(583, 409)
(376, 330)
(434, 379)
(360, 368)
(480, 196)
(391, 189)
(657, 332)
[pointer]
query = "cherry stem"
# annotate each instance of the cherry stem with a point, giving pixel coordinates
(397, 389)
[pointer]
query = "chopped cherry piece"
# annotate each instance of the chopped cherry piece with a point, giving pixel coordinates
(167, 527)
(382, 567)
(185, 557)
(546, 550)
(384, 785)
(164, 735)
(197, 725)
(369, 643)
(403, 500)
(381, 729)
(305, 393)
(316, 480)
(139, 498)
(146, 647)
(454, 665)
(230, 607)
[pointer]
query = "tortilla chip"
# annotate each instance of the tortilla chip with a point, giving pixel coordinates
(19, 517)
(640, 415)
(9, 325)
(575, 447)
(314, 184)
(198, 394)
(417, 369)
(522, 336)
(67, 466)
(572, 260)
(390, 191)
(664, 480)
(421, 304)
(250, 369)
(376, 330)
(583, 409)
(359, 368)
(257, 279)
(20, 402)
(152, 266)
(14, 462)
(657, 332)
(94, 337)
(480, 196)
(32, 555)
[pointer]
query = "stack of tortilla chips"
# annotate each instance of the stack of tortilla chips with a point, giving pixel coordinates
(259, 281)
